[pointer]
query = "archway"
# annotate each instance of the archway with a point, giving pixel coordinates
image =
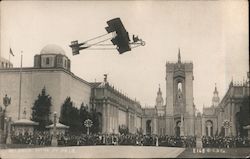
(242, 118)
(179, 86)
(148, 127)
(209, 128)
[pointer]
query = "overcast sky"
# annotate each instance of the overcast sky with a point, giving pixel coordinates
(212, 34)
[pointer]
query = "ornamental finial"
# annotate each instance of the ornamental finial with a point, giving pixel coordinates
(179, 56)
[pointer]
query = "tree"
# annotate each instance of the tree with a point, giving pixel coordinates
(84, 115)
(41, 110)
(70, 116)
(94, 116)
(65, 109)
(75, 118)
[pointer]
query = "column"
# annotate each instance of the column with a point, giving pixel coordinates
(111, 118)
(203, 131)
(104, 122)
(226, 131)
(134, 120)
(54, 137)
(130, 123)
(136, 124)
(209, 130)
(108, 118)
(155, 126)
(128, 120)
(182, 126)
(8, 139)
(116, 119)
(233, 119)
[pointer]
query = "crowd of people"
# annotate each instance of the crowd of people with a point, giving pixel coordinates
(225, 142)
(44, 139)
(175, 141)
(37, 138)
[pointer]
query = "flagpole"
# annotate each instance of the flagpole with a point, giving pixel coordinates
(9, 56)
(9, 60)
(20, 86)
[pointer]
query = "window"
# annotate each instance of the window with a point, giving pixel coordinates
(59, 60)
(65, 63)
(179, 85)
(47, 60)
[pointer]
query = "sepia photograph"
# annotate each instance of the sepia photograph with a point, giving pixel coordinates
(124, 79)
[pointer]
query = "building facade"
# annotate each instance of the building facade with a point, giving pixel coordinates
(179, 95)
(4, 63)
(209, 116)
(51, 71)
(115, 109)
(175, 117)
(230, 115)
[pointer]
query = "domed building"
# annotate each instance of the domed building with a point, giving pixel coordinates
(52, 56)
(51, 71)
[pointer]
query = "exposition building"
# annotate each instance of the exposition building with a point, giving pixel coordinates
(4, 63)
(231, 115)
(52, 71)
(177, 117)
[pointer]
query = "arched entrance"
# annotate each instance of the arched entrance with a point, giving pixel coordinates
(209, 128)
(177, 128)
(148, 127)
(241, 121)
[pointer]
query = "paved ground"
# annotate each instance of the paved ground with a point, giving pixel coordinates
(121, 152)
(93, 152)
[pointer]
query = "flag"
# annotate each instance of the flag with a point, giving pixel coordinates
(11, 52)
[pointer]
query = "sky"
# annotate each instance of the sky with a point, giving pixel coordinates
(211, 34)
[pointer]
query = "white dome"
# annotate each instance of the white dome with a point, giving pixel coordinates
(52, 49)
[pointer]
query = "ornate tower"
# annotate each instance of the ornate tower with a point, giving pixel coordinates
(159, 99)
(179, 96)
(160, 107)
(159, 103)
(216, 98)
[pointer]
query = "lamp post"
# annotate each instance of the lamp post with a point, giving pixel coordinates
(6, 103)
(8, 137)
(54, 139)
(88, 124)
